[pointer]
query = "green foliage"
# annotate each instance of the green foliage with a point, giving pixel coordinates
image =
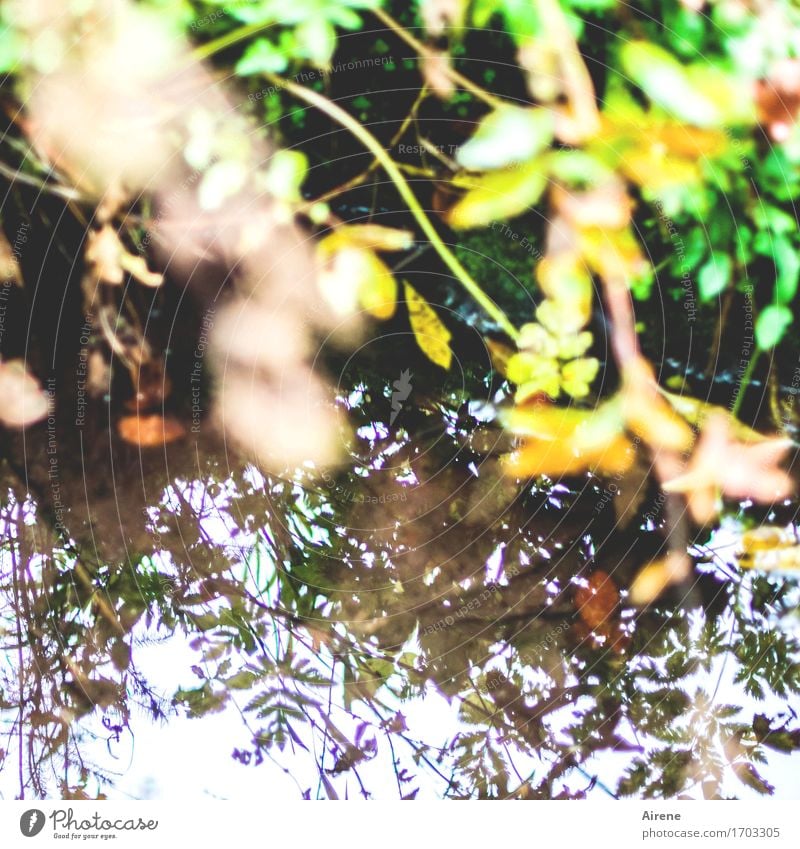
(307, 30)
(771, 325)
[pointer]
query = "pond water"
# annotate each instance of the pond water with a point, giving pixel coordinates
(412, 622)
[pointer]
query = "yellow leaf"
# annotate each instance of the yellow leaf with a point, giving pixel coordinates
(9, 266)
(500, 355)
(526, 367)
(767, 538)
(697, 413)
(770, 548)
(500, 194)
(560, 317)
(378, 291)
(612, 254)
(373, 236)
(564, 277)
(577, 376)
(657, 576)
(429, 331)
(656, 423)
(353, 274)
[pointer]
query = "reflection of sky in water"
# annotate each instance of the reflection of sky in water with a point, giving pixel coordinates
(183, 758)
(187, 759)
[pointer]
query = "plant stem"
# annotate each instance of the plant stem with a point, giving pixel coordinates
(745, 382)
(360, 178)
(205, 51)
(394, 173)
(425, 51)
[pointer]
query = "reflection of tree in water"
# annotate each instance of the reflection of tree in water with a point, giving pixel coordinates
(320, 608)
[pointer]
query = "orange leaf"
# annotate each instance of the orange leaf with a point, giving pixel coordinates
(150, 431)
(598, 601)
(554, 459)
(598, 607)
(561, 441)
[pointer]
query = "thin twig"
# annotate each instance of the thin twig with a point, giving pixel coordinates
(356, 181)
(14, 175)
(217, 45)
(425, 52)
(332, 110)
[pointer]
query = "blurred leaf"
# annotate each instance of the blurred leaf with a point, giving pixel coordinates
(598, 600)
(697, 413)
(648, 416)
(151, 430)
(316, 40)
(498, 195)
(372, 236)
(655, 577)
(749, 775)
(559, 441)
(201, 701)
(597, 603)
(769, 549)
(286, 173)
(577, 376)
(722, 464)
(23, 400)
(714, 277)
(354, 275)
(522, 19)
(10, 49)
(242, 680)
(9, 266)
(771, 325)
(221, 181)
(787, 263)
(262, 56)
(534, 375)
(507, 136)
(666, 82)
(567, 283)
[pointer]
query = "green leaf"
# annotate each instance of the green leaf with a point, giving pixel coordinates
(507, 136)
(287, 170)
(520, 17)
(714, 277)
(247, 13)
(592, 5)
(9, 50)
(666, 82)
(343, 17)
(578, 168)
(316, 39)
(771, 325)
(262, 56)
(787, 264)
(242, 680)
(201, 701)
